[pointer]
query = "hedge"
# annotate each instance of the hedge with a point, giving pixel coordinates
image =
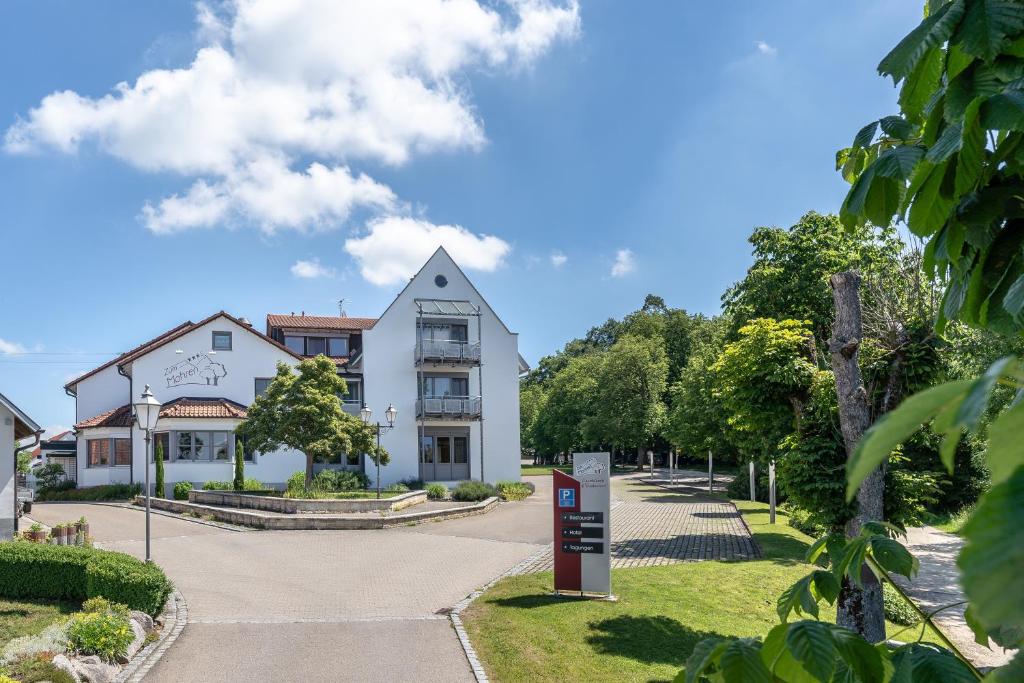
(53, 572)
(105, 492)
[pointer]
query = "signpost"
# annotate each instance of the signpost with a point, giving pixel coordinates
(582, 522)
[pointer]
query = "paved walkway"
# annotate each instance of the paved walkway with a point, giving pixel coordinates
(652, 525)
(371, 605)
(936, 586)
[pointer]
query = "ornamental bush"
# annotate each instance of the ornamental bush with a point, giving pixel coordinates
(473, 491)
(106, 633)
(181, 490)
(437, 491)
(896, 608)
(513, 490)
(158, 458)
(53, 572)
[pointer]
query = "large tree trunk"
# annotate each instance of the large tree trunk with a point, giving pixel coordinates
(859, 610)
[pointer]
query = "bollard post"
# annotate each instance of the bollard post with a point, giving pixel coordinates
(771, 491)
(753, 483)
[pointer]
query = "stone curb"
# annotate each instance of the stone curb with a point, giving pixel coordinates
(175, 616)
(128, 505)
(456, 614)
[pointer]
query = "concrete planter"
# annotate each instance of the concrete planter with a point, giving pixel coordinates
(291, 506)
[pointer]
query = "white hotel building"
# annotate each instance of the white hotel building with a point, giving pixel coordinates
(439, 354)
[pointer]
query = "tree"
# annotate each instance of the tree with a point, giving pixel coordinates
(789, 277)
(158, 456)
(763, 379)
(628, 409)
(239, 465)
(303, 412)
(570, 406)
(532, 400)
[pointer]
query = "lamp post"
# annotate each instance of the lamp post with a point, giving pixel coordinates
(390, 414)
(147, 412)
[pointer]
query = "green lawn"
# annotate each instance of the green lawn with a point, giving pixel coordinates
(537, 470)
(521, 632)
(28, 617)
(951, 523)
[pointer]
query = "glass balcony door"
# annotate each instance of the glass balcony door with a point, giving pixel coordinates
(444, 458)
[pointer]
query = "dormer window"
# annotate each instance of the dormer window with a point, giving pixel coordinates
(221, 341)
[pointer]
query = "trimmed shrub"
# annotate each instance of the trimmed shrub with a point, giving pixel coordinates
(181, 490)
(397, 488)
(218, 486)
(437, 491)
(513, 490)
(472, 491)
(107, 634)
(91, 493)
(239, 481)
(158, 456)
(34, 570)
(413, 484)
(896, 608)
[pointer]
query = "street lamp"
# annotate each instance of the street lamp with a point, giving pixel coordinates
(147, 412)
(390, 415)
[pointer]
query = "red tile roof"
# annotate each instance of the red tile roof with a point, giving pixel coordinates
(170, 336)
(319, 322)
(204, 407)
(118, 417)
(185, 407)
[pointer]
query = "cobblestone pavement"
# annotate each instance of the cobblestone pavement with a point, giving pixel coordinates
(652, 525)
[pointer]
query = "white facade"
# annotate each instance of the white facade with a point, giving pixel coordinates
(186, 365)
(14, 425)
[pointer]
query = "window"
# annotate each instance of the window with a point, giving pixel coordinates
(261, 385)
(221, 341)
(337, 347)
(440, 281)
(200, 445)
(295, 344)
(316, 346)
(444, 332)
(161, 441)
(220, 446)
(184, 446)
(249, 454)
(99, 452)
(352, 459)
(122, 452)
(445, 387)
(355, 394)
(461, 450)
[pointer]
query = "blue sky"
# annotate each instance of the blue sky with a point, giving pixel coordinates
(588, 155)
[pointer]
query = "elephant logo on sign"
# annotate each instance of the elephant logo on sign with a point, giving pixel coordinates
(198, 369)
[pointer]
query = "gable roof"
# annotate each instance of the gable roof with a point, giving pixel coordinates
(23, 424)
(442, 250)
(319, 322)
(118, 417)
(170, 336)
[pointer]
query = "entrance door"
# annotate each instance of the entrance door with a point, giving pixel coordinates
(427, 458)
(460, 457)
(443, 466)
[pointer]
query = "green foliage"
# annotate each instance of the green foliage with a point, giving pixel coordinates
(397, 488)
(897, 609)
(50, 476)
(473, 491)
(181, 490)
(158, 457)
(92, 493)
(303, 412)
(570, 402)
(532, 399)
(789, 277)
(437, 491)
(239, 480)
(760, 377)
(105, 633)
(33, 570)
(513, 490)
(325, 482)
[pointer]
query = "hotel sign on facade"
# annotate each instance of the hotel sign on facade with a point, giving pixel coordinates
(582, 523)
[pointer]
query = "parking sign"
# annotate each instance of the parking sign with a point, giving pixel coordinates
(566, 498)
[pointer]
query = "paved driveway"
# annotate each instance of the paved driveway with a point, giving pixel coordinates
(321, 605)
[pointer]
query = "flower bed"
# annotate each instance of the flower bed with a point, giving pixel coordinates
(332, 502)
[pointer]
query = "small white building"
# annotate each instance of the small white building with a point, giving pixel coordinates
(439, 354)
(15, 425)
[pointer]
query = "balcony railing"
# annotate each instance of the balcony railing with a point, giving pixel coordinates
(449, 408)
(351, 407)
(448, 351)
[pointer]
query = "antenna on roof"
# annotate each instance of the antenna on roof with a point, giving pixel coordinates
(341, 308)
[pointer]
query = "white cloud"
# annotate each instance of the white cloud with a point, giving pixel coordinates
(766, 49)
(625, 263)
(311, 269)
(558, 259)
(327, 81)
(7, 347)
(395, 247)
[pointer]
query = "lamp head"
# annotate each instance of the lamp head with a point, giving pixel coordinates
(147, 410)
(390, 414)
(364, 414)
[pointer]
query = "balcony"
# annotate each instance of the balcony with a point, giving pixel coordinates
(351, 407)
(448, 352)
(449, 408)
